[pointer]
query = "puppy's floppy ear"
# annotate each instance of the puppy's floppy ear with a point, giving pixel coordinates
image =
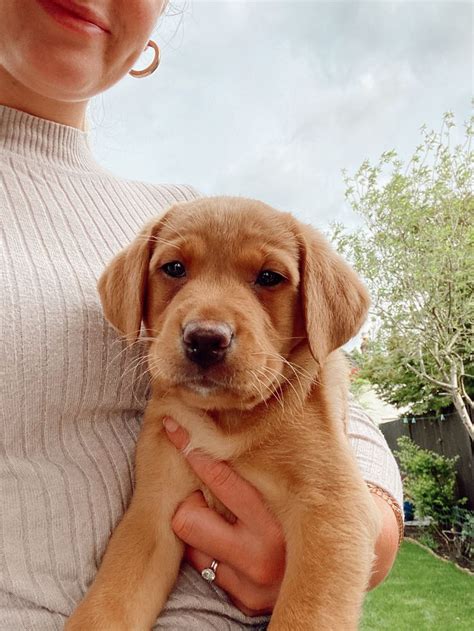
(335, 302)
(122, 285)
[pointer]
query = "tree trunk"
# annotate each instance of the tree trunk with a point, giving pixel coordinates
(463, 413)
(459, 402)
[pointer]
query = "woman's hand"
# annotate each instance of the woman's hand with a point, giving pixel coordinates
(251, 552)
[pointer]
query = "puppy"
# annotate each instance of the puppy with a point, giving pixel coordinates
(246, 308)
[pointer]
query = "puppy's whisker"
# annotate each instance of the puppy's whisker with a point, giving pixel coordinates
(135, 381)
(135, 365)
(295, 372)
(275, 392)
(144, 339)
(165, 241)
(135, 362)
(135, 387)
(299, 395)
(141, 341)
(261, 383)
(254, 386)
(301, 337)
(152, 368)
(285, 379)
(166, 224)
(130, 347)
(130, 369)
(123, 342)
(118, 355)
(295, 367)
(272, 378)
(156, 239)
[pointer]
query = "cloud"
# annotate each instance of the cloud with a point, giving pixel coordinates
(273, 99)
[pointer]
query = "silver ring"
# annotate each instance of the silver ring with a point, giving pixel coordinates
(209, 573)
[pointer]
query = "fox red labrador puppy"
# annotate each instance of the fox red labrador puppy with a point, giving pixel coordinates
(246, 308)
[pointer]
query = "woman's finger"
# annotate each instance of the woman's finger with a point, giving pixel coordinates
(238, 495)
(226, 577)
(249, 598)
(203, 528)
(177, 435)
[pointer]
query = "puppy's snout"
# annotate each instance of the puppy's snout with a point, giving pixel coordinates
(206, 342)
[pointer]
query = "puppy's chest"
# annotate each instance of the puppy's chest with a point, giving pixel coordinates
(273, 488)
(289, 466)
(251, 464)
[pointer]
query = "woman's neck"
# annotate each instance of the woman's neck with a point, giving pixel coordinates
(14, 94)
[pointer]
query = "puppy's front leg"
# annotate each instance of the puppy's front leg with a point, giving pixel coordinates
(142, 560)
(329, 557)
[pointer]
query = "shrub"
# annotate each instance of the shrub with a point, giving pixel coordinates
(428, 540)
(462, 532)
(430, 482)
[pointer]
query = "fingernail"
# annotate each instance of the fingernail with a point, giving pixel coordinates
(170, 425)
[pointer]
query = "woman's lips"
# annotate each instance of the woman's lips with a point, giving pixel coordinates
(72, 16)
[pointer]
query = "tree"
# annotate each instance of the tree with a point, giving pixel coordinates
(385, 368)
(416, 252)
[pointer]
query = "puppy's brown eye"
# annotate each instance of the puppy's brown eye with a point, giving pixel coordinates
(267, 278)
(175, 269)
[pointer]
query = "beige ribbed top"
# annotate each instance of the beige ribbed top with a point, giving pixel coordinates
(71, 398)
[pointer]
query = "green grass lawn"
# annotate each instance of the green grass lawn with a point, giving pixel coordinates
(422, 593)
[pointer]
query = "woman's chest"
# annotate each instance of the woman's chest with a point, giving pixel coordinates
(59, 353)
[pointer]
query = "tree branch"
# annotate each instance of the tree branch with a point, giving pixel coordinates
(465, 395)
(424, 375)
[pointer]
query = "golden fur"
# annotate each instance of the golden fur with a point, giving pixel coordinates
(274, 408)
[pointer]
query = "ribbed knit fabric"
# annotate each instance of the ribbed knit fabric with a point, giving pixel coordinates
(72, 393)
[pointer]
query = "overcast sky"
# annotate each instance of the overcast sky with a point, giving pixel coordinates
(273, 99)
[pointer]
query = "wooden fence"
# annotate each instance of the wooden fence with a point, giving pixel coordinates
(447, 437)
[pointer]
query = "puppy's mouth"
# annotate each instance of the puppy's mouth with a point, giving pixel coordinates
(204, 385)
(210, 381)
(223, 387)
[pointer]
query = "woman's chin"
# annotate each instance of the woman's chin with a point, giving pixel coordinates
(64, 80)
(50, 73)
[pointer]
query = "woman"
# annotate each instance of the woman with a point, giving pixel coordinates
(71, 415)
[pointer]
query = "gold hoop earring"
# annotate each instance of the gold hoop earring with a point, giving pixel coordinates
(139, 74)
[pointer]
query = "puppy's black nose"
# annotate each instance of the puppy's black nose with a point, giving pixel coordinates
(206, 342)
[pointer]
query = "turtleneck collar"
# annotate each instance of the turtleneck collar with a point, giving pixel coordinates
(45, 141)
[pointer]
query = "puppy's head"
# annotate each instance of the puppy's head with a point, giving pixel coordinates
(228, 289)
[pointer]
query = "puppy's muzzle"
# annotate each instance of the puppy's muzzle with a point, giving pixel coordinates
(207, 342)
